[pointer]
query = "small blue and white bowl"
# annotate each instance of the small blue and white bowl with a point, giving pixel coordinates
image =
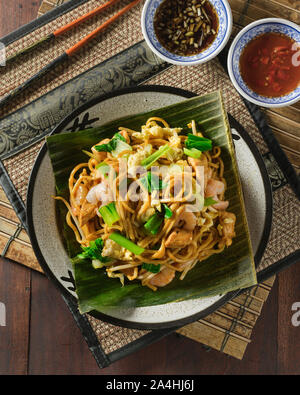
(225, 26)
(247, 34)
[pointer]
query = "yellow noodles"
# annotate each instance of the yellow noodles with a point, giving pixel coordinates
(182, 240)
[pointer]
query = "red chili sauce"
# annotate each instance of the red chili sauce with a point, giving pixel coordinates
(268, 66)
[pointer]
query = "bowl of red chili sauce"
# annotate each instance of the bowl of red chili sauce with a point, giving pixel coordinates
(264, 62)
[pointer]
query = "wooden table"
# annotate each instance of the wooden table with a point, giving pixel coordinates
(41, 337)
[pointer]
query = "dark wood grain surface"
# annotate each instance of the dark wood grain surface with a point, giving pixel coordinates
(41, 336)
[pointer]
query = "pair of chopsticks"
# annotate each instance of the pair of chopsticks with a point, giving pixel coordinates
(69, 52)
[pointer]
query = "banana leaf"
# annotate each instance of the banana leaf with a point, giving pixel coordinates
(230, 270)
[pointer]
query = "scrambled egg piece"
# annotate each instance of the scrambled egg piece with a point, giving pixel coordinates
(114, 250)
(175, 141)
(134, 160)
(156, 131)
(176, 152)
(175, 144)
(170, 134)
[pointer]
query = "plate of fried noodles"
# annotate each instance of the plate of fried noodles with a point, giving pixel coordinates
(149, 207)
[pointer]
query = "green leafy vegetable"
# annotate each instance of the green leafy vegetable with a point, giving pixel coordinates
(109, 147)
(193, 152)
(209, 201)
(120, 147)
(167, 211)
(94, 251)
(109, 214)
(104, 169)
(152, 182)
(148, 162)
(153, 224)
(129, 245)
(200, 143)
(151, 267)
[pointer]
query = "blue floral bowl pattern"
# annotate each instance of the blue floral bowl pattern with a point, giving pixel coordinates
(246, 35)
(225, 25)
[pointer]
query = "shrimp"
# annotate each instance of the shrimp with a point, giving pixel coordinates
(100, 192)
(179, 238)
(227, 221)
(164, 277)
(221, 205)
(214, 187)
(189, 219)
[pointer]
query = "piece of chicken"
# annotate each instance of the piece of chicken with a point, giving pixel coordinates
(87, 212)
(163, 278)
(179, 238)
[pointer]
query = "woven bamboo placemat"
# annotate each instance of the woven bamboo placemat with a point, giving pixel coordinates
(229, 329)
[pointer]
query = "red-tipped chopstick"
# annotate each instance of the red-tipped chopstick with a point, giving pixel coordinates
(62, 30)
(67, 54)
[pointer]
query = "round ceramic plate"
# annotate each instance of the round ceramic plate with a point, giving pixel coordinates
(45, 234)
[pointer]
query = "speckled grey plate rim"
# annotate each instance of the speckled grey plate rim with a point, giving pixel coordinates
(122, 322)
